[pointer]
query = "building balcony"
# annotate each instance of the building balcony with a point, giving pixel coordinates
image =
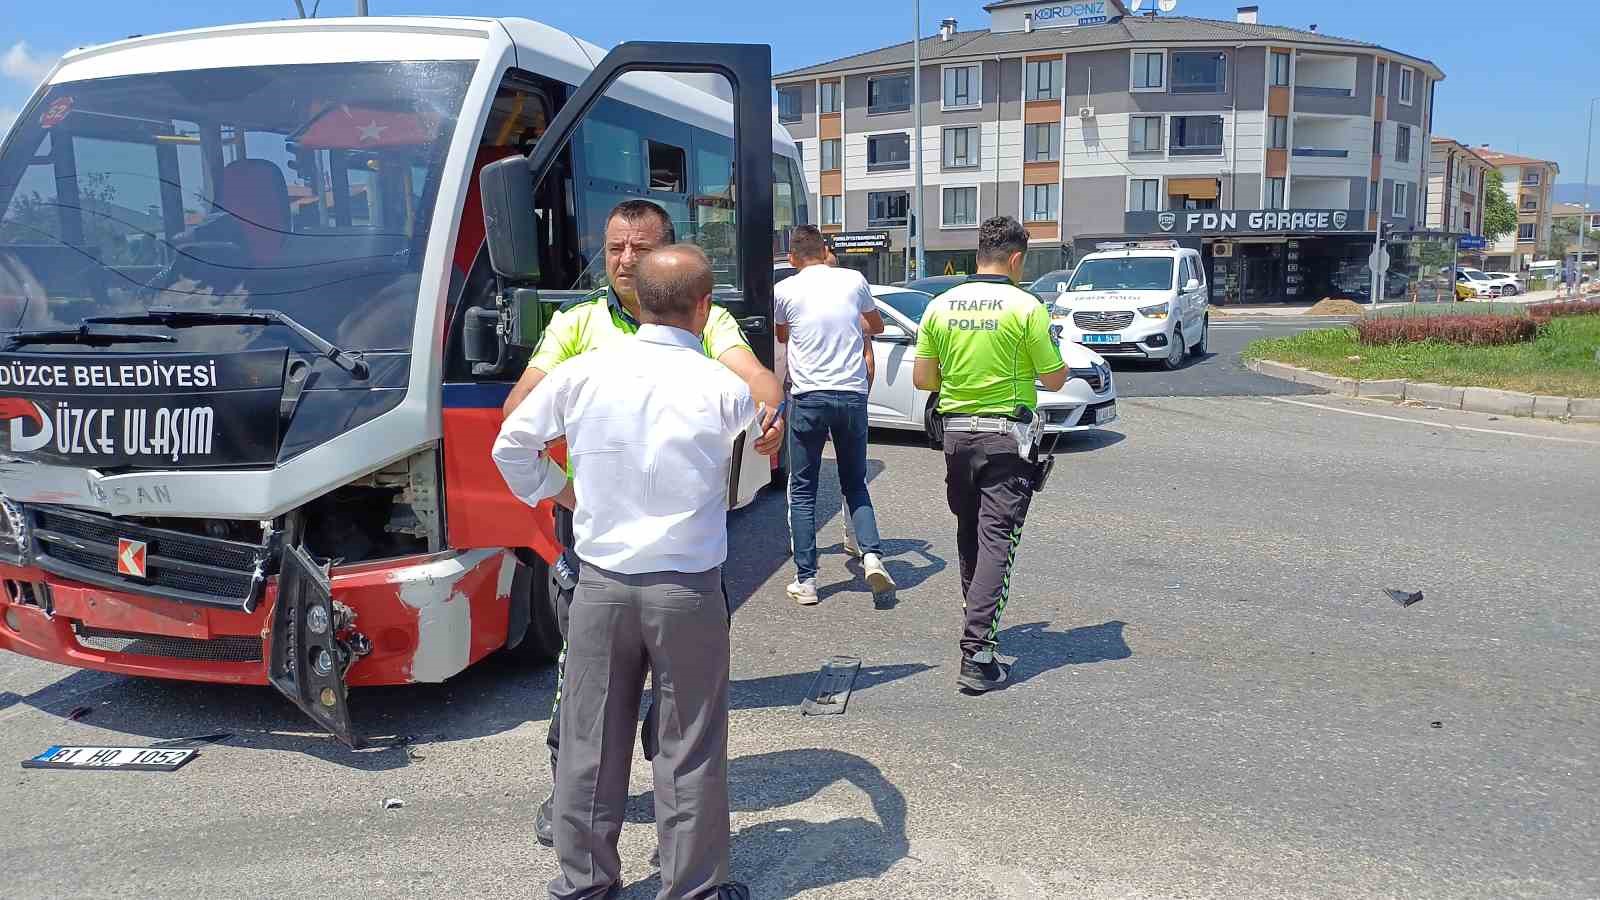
(1320, 90)
(1322, 152)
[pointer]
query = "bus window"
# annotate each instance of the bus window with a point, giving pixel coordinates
(667, 167)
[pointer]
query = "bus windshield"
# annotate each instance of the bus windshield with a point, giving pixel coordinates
(307, 189)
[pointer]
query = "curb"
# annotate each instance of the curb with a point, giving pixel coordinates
(1469, 399)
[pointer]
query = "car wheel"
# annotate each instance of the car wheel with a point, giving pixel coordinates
(1199, 351)
(1177, 351)
(1508, 291)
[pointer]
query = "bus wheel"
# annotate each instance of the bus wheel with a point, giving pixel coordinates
(535, 585)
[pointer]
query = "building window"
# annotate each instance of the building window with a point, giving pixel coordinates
(1199, 73)
(1041, 80)
(1144, 195)
(1466, 222)
(1400, 195)
(1039, 202)
(961, 147)
(962, 87)
(1408, 78)
(833, 210)
(888, 93)
(1377, 138)
(1041, 142)
(1372, 196)
(832, 155)
(1144, 134)
(789, 104)
(887, 209)
(1530, 204)
(1527, 232)
(1383, 78)
(1195, 135)
(888, 152)
(1149, 69)
(1280, 69)
(1531, 179)
(828, 97)
(1402, 143)
(1278, 127)
(960, 207)
(1275, 193)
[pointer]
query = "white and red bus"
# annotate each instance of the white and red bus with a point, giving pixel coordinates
(253, 351)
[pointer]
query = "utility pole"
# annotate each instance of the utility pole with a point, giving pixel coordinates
(361, 7)
(1583, 220)
(918, 226)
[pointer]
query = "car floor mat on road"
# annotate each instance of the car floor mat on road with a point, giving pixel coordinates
(830, 693)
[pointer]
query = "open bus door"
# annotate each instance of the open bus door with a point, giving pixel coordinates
(508, 188)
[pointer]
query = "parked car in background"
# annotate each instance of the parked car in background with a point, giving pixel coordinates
(1049, 285)
(1486, 286)
(935, 285)
(1510, 285)
(1138, 300)
(1087, 400)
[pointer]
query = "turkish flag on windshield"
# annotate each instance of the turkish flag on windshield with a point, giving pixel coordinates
(356, 128)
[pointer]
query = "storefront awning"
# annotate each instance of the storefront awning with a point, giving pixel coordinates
(1193, 188)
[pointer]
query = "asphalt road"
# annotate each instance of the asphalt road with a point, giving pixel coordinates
(1219, 374)
(1214, 697)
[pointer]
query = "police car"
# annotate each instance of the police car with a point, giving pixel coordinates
(1087, 400)
(1136, 300)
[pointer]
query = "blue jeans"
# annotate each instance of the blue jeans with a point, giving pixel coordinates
(813, 416)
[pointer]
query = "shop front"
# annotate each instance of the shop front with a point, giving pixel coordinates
(870, 253)
(1264, 256)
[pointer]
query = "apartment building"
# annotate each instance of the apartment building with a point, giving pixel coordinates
(1275, 150)
(1529, 184)
(1455, 187)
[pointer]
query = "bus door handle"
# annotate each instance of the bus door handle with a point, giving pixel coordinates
(754, 324)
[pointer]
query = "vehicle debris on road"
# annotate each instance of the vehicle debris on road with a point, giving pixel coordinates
(1405, 598)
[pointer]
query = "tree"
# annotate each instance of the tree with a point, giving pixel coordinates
(1564, 237)
(1499, 214)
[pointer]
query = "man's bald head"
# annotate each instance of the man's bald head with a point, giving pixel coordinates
(675, 287)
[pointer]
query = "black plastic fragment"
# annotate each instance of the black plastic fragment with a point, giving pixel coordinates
(830, 693)
(1405, 598)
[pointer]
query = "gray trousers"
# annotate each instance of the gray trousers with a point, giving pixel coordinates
(620, 627)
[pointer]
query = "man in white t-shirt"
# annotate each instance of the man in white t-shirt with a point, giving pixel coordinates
(825, 315)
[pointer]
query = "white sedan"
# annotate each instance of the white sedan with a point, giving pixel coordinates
(1087, 400)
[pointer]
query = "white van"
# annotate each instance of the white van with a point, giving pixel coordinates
(1138, 300)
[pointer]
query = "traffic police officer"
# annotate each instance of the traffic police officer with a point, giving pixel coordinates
(634, 229)
(982, 346)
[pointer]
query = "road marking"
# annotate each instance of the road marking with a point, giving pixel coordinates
(1368, 415)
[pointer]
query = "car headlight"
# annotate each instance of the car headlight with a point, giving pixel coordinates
(1159, 311)
(1059, 312)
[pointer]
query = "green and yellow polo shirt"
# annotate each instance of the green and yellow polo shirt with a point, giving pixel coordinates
(600, 319)
(992, 340)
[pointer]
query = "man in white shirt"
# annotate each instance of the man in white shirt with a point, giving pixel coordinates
(825, 315)
(650, 426)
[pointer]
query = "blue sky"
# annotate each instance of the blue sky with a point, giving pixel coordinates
(1518, 76)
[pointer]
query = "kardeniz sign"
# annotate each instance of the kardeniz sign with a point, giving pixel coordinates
(1245, 221)
(178, 410)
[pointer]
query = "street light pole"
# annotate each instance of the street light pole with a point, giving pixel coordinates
(1583, 220)
(918, 226)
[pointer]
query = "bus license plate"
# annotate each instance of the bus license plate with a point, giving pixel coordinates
(139, 759)
(1102, 338)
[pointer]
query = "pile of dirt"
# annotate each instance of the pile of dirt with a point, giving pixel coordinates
(1330, 306)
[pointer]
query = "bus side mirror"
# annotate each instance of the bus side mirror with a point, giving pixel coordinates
(511, 229)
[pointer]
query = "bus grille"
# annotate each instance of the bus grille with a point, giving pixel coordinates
(178, 566)
(221, 649)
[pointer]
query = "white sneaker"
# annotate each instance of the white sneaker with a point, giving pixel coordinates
(804, 592)
(877, 575)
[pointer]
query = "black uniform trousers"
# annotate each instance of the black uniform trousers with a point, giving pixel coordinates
(989, 488)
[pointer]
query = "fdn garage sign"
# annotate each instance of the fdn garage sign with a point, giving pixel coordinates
(1245, 221)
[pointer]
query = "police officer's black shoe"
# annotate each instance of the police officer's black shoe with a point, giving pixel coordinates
(543, 830)
(731, 890)
(981, 672)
